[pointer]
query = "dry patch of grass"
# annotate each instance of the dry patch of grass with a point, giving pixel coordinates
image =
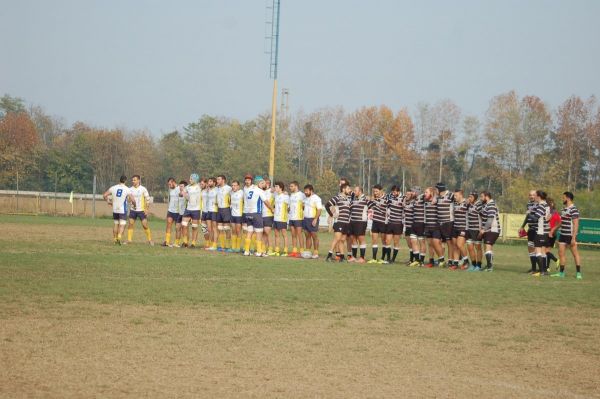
(82, 349)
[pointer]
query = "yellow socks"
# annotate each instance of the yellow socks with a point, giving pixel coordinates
(129, 234)
(185, 239)
(168, 237)
(247, 243)
(177, 241)
(222, 240)
(295, 250)
(148, 234)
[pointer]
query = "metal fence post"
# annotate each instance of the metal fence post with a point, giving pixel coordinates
(94, 199)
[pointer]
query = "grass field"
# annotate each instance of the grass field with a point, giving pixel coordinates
(80, 317)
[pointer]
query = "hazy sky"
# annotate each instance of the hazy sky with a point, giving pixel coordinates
(162, 64)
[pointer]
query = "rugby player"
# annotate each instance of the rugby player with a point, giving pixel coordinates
(310, 224)
(569, 226)
(341, 226)
(140, 209)
(379, 205)
(358, 225)
(280, 218)
(181, 206)
(530, 223)
(192, 194)
(268, 217)
(253, 203)
(223, 214)
(541, 214)
(432, 229)
(172, 210)
(395, 227)
(411, 239)
(119, 195)
(212, 210)
(237, 213)
(445, 214)
(296, 217)
(474, 225)
(418, 229)
(491, 229)
(459, 232)
(554, 225)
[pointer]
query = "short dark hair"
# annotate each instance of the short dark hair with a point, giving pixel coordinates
(138, 176)
(458, 190)
(309, 187)
(222, 177)
(294, 182)
(236, 182)
(541, 194)
(395, 188)
(344, 180)
(185, 183)
(213, 179)
(123, 179)
(203, 180)
(569, 195)
(378, 187)
(170, 179)
(487, 194)
(280, 184)
(343, 186)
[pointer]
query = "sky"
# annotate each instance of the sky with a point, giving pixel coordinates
(158, 65)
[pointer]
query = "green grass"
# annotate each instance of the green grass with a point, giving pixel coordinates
(72, 259)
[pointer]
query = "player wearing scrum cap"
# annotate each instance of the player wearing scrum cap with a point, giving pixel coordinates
(119, 194)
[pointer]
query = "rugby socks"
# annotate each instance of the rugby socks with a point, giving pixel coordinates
(354, 251)
(168, 237)
(247, 243)
(129, 233)
(294, 250)
(185, 239)
(329, 255)
(177, 240)
(465, 260)
(411, 257)
(222, 240)
(562, 268)
(374, 249)
(489, 255)
(363, 250)
(578, 268)
(534, 261)
(148, 234)
(441, 259)
(551, 257)
(422, 258)
(386, 252)
(395, 254)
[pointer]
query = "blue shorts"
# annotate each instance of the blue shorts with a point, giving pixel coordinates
(280, 225)
(212, 216)
(255, 220)
(204, 216)
(224, 215)
(173, 215)
(119, 216)
(237, 220)
(194, 215)
(295, 223)
(308, 227)
(268, 221)
(137, 215)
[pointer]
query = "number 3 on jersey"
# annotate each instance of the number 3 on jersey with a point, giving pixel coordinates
(250, 194)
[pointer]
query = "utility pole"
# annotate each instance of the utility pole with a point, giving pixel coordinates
(274, 53)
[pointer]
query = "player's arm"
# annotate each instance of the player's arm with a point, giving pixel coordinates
(263, 197)
(315, 221)
(331, 203)
(131, 199)
(107, 194)
(147, 196)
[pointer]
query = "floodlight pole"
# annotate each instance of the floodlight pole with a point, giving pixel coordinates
(273, 69)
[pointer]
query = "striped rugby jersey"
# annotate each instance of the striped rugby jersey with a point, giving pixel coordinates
(431, 215)
(568, 214)
(358, 209)
(379, 207)
(395, 208)
(474, 215)
(342, 203)
(460, 215)
(491, 217)
(541, 214)
(530, 218)
(419, 209)
(445, 207)
(408, 213)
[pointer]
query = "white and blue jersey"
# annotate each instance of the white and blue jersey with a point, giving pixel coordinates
(119, 193)
(254, 200)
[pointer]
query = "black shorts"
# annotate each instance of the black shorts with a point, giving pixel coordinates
(541, 241)
(531, 237)
(551, 241)
(395, 229)
(137, 215)
(254, 220)
(418, 229)
(295, 223)
(433, 232)
(343, 228)
(458, 233)
(379, 227)
(236, 219)
(308, 226)
(358, 229)
(194, 215)
(173, 215)
(119, 216)
(563, 239)
(204, 216)
(212, 216)
(279, 225)
(408, 231)
(224, 215)
(446, 230)
(268, 221)
(473, 235)
(490, 238)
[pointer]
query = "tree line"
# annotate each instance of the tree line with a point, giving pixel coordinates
(517, 145)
